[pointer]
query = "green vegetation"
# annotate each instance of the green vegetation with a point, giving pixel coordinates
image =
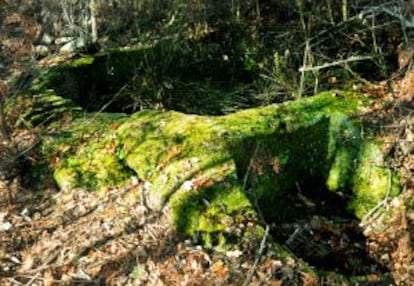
(216, 171)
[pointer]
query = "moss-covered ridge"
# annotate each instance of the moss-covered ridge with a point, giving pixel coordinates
(216, 171)
(171, 74)
(90, 81)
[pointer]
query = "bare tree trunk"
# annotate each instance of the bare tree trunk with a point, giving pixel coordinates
(94, 27)
(344, 10)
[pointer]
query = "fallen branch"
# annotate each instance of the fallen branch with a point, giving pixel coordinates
(258, 256)
(336, 63)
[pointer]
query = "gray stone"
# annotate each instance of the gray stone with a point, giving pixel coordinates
(72, 46)
(63, 40)
(47, 39)
(41, 50)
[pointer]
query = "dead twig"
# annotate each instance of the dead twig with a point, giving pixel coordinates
(249, 168)
(335, 63)
(258, 256)
(33, 279)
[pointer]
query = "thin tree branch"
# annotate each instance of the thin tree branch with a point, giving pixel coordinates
(258, 256)
(336, 63)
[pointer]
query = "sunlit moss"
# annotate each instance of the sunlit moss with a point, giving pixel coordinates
(213, 171)
(372, 180)
(82, 61)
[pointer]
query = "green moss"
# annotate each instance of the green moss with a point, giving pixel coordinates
(170, 149)
(86, 149)
(215, 171)
(344, 148)
(66, 178)
(211, 208)
(372, 180)
(88, 60)
(211, 213)
(39, 108)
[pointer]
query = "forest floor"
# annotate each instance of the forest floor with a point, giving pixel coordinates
(43, 233)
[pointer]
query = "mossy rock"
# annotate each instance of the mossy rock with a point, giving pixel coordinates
(214, 171)
(218, 174)
(86, 152)
(39, 108)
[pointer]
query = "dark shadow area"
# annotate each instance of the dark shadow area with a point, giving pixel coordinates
(284, 176)
(324, 233)
(184, 75)
(270, 166)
